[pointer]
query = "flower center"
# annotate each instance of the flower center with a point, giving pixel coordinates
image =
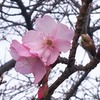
(49, 42)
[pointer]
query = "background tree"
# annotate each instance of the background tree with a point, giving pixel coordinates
(73, 76)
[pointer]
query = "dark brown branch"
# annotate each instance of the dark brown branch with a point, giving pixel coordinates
(74, 88)
(7, 66)
(93, 29)
(39, 2)
(76, 4)
(93, 63)
(60, 60)
(12, 23)
(64, 76)
(79, 28)
(68, 71)
(25, 14)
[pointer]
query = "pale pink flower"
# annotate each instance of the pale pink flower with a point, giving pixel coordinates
(49, 39)
(27, 62)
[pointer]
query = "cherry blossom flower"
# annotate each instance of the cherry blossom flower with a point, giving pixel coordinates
(27, 62)
(48, 39)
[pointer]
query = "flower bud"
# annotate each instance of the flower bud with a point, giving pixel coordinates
(43, 91)
(88, 44)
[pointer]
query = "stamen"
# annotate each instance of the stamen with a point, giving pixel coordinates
(49, 42)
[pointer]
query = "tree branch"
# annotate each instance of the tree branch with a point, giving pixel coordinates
(68, 71)
(74, 88)
(7, 66)
(79, 28)
(25, 14)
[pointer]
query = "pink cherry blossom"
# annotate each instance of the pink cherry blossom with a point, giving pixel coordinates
(27, 62)
(49, 39)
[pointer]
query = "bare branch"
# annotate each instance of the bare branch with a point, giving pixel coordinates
(25, 14)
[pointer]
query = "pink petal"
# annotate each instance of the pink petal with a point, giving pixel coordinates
(33, 40)
(25, 65)
(14, 53)
(31, 36)
(39, 70)
(45, 55)
(20, 49)
(62, 45)
(34, 46)
(45, 24)
(53, 56)
(31, 65)
(42, 52)
(63, 32)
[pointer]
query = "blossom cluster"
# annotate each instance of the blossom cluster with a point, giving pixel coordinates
(41, 47)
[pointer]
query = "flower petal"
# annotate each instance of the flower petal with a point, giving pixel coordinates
(14, 53)
(19, 49)
(33, 40)
(45, 24)
(35, 47)
(24, 65)
(31, 65)
(53, 56)
(31, 36)
(39, 70)
(45, 55)
(42, 52)
(63, 32)
(62, 45)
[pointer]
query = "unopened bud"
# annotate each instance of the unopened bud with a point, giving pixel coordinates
(88, 44)
(43, 91)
